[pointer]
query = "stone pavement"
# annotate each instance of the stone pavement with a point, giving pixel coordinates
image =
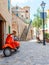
(30, 53)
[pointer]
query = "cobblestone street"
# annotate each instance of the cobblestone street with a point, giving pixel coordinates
(30, 53)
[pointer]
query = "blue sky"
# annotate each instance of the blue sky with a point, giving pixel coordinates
(34, 5)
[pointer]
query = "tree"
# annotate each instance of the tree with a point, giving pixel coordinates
(37, 21)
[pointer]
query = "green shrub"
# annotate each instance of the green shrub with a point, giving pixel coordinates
(47, 35)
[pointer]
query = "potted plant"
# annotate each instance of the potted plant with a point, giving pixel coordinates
(47, 37)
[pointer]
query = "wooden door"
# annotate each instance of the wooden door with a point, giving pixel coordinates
(0, 34)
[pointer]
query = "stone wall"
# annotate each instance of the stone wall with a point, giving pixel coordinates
(18, 25)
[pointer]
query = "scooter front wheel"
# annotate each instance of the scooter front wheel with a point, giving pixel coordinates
(7, 52)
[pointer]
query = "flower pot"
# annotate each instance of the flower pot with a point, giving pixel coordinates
(47, 40)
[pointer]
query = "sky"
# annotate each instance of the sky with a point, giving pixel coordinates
(33, 4)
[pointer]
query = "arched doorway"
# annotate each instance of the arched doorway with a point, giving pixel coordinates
(0, 34)
(2, 31)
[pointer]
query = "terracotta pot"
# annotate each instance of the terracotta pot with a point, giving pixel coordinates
(47, 40)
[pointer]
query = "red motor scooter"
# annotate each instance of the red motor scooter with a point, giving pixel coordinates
(10, 45)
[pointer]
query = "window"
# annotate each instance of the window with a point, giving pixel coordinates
(16, 7)
(9, 29)
(9, 5)
(22, 15)
(46, 25)
(26, 11)
(17, 14)
(26, 17)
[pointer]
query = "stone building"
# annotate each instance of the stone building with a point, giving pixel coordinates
(23, 13)
(17, 24)
(5, 20)
(19, 18)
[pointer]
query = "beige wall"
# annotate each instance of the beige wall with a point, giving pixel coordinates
(6, 17)
(18, 24)
(5, 13)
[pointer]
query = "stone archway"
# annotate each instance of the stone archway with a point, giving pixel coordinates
(2, 31)
(1, 34)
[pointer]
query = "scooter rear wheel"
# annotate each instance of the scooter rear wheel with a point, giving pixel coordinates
(7, 52)
(18, 47)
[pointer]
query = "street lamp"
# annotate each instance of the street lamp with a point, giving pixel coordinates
(43, 6)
